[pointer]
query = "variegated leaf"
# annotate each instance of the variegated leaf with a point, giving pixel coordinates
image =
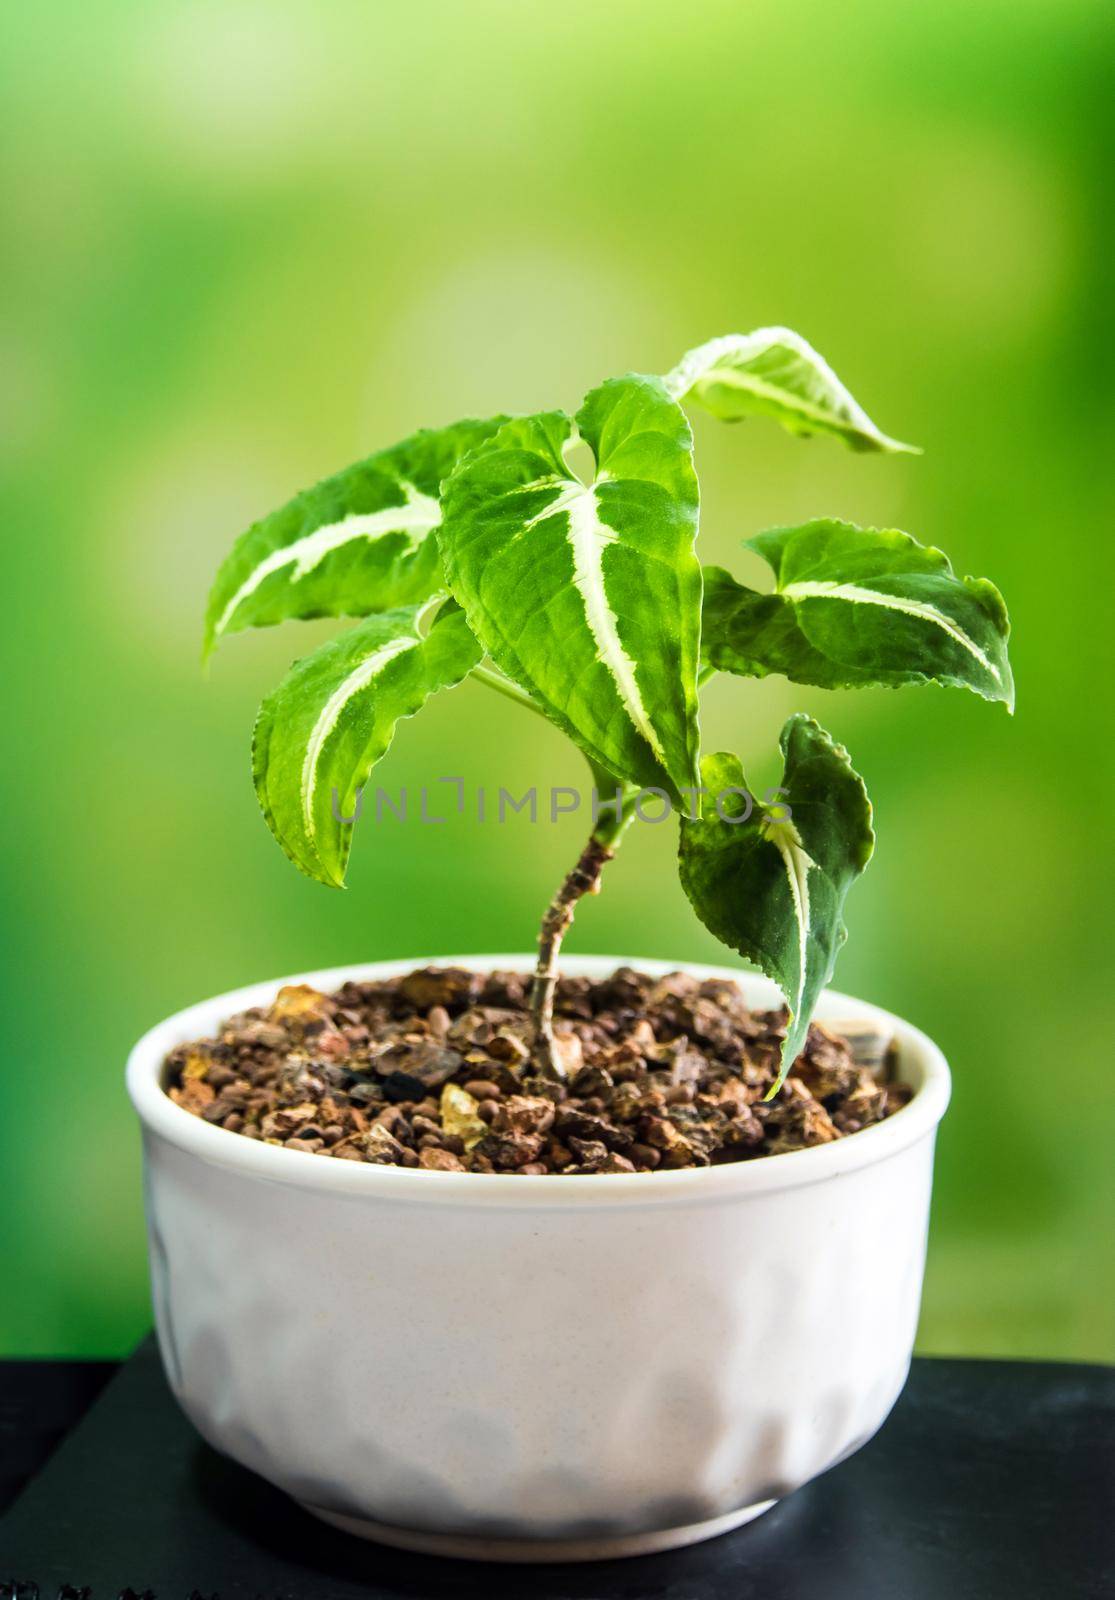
(589, 595)
(770, 881)
(357, 543)
(318, 736)
(855, 606)
(774, 372)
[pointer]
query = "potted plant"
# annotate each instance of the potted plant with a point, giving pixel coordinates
(702, 1286)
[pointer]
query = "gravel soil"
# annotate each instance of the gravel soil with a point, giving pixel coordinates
(434, 1070)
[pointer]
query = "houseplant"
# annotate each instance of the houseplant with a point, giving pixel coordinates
(478, 550)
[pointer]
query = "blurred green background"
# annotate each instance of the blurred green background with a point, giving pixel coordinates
(247, 242)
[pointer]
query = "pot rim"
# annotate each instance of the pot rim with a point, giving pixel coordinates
(921, 1064)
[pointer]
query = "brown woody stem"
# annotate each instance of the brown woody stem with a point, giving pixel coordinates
(584, 879)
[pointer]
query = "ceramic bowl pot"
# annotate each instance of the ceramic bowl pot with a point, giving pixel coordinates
(550, 1368)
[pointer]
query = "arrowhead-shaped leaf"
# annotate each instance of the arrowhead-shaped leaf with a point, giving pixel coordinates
(357, 543)
(771, 882)
(774, 372)
(589, 595)
(318, 736)
(856, 606)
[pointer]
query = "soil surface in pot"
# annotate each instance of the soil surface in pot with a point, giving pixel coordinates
(434, 1070)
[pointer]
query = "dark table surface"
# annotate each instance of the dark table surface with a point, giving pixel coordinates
(990, 1479)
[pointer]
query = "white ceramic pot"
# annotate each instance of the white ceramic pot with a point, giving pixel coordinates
(535, 1368)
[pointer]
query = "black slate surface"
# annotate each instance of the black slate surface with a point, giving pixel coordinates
(39, 1403)
(990, 1479)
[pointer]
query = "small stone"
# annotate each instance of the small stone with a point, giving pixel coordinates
(795, 1120)
(521, 1113)
(508, 1047)
(332, 1045)
(194, 1095)
(573, 1123)
(569, 1053)
(196, 1065)
(426, 1063)
(676, 1150)
(399, 1086)
(592, 1081)
(483, 1089)
(298, 1004)
(439, 986)
(508, 1152)
(380, 1146)
(687, 1066)
(459, 1115)
(438, 1020)
(680, 1094)
(435, 1160)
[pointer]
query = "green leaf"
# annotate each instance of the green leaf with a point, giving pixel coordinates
(589, 595)
(318, 736)
(855, 606)
(357, 543)
(774, 372)
(773, 886)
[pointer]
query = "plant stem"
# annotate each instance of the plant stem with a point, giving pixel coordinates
(496, 680)
(583, 879)
(611, 824)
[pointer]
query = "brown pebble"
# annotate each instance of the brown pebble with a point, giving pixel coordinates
(233, 1122)
(435, 1160)
(645, 1155)
(311, 1146)
(482, 1089)
(488, 1110)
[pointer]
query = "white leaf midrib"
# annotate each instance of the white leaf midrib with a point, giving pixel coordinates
(418, 516)
(331, 714)
(703, 363)
(787, 841)
(856, 594)
(588, 538)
